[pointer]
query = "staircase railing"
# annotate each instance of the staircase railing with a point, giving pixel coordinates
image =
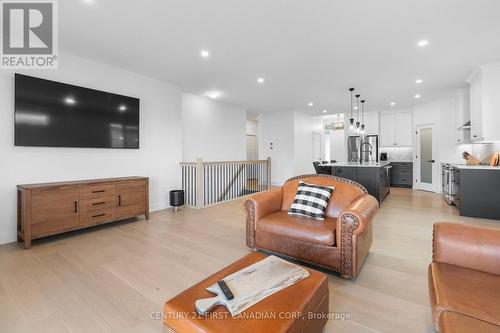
(210, 183)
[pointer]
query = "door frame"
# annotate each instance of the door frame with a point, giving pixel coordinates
(435, 156)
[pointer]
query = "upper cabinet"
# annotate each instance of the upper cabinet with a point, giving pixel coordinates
(462, 104)
(396, 129)
(371, 123)
(387, 129)
(462, 109)
(485, 103)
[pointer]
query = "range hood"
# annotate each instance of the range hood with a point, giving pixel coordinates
(465, 126)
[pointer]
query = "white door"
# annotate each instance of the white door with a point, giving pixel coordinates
(426, 177)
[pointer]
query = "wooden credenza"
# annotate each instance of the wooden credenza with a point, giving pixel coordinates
(53, 208)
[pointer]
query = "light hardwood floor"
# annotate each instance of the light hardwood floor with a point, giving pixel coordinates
(111, 278)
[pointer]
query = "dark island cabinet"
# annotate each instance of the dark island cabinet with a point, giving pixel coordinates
(374, 179)
(402, 174)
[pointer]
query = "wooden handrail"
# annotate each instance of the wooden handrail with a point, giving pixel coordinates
(226, 162)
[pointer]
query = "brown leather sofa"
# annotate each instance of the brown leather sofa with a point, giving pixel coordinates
(464, 279)
(340, 242)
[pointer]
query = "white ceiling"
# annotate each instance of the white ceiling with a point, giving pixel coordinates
(306, 50)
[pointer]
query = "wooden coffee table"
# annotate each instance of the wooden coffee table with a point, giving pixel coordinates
(302, 307)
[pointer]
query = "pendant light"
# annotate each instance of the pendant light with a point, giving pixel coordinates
(357, 113)
(363, 117)
(351, 120)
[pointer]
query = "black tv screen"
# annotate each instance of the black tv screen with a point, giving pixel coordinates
(54, 114)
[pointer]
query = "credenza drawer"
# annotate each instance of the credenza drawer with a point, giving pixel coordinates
(97, 191)
(98, 203)
(96, 217)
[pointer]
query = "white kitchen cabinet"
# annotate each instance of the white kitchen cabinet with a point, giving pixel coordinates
(396, 129)
(404, 129)
(476, 108)
(371, 123)
(387, 129)
(462, 105)
(462, 109)
(485, 103)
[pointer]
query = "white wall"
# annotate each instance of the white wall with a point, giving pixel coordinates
(212, 130)
(276, 139)
(303, 148)
(338, 146)
(290, 133)
(160, 138)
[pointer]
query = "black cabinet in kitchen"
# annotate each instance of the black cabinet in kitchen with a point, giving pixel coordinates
(401, 174)
(477, 192)
(346, 172)
(374, 179)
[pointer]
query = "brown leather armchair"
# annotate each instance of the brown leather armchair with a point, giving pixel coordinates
(340, 242)
(464, 279)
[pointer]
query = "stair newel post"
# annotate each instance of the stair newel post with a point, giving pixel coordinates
(269, 172)
(200, 183)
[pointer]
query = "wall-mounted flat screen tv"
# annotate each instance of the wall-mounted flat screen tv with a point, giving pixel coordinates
(54, 114)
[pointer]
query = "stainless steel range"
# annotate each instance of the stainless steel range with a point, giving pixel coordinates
(450, 184)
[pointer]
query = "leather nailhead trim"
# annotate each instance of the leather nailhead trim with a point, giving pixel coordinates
(338, 179)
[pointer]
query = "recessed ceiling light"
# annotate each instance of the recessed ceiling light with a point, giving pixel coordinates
(325, 111)
(311, 104)
(355, 108)
(69, 100)
(418, 81)
(88, 1)
(417, 96)
(393, 103)
(423, 42)
(213, 94)
(122, 107)
(205, 53)
(260, 80)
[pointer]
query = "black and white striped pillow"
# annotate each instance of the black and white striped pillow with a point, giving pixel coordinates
(311, 200)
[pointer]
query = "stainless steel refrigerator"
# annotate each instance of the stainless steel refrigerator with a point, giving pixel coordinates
(364, 150)
(353, 147)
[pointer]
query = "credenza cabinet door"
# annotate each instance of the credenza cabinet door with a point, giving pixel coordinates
(54, 210)
(131, 199)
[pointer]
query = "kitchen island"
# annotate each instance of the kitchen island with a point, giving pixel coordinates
(476, 190)
(373, 176)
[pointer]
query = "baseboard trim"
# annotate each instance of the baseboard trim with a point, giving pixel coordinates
(158, 206)
(8, 237)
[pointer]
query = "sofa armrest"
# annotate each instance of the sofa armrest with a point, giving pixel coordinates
(467, 246)
(354, 234)
(359, 214)
(258, 206)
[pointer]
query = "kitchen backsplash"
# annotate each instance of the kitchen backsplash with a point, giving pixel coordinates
(398, 154)
(481, 151)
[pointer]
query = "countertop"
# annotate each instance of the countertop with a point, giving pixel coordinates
(357, 164)
(476, 167)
